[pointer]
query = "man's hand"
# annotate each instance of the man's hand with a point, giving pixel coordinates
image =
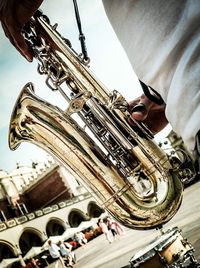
(150, 113)
(13, 15)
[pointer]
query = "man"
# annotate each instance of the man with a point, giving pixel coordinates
(54, 251)
(161, 39)
(79, 237)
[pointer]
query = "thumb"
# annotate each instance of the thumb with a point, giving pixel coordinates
(139, 111)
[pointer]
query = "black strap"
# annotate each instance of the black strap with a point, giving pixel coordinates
(81, 35)
(155, 98)
(197, 154)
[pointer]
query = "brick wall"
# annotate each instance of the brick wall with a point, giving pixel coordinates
(49, 190)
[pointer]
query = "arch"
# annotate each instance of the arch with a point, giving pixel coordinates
(55, 226)
(94, 211)
(75, 217)
(29, 238)
(6, 250)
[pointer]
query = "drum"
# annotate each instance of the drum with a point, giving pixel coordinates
(168, 249)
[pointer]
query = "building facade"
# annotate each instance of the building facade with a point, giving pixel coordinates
(39, 202)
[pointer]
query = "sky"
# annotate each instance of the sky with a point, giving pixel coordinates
(108, 62)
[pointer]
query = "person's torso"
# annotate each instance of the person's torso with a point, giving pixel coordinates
(54, 251)
(161, 39)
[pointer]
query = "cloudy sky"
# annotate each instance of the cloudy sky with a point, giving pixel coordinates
(108, 62)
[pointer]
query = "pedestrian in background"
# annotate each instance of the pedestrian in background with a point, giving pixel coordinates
(104, 229)
(54, 251)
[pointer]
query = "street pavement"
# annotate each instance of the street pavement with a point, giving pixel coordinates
(98, 253)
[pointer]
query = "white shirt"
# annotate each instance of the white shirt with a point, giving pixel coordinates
(161, 39)
(54, 251)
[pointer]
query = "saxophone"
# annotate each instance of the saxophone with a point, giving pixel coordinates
(126, 171)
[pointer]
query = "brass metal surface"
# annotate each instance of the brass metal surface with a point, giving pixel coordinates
(128, 173)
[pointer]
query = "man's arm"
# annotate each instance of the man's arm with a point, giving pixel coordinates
(14, 14)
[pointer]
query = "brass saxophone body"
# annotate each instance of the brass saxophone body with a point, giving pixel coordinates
(129, 175)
